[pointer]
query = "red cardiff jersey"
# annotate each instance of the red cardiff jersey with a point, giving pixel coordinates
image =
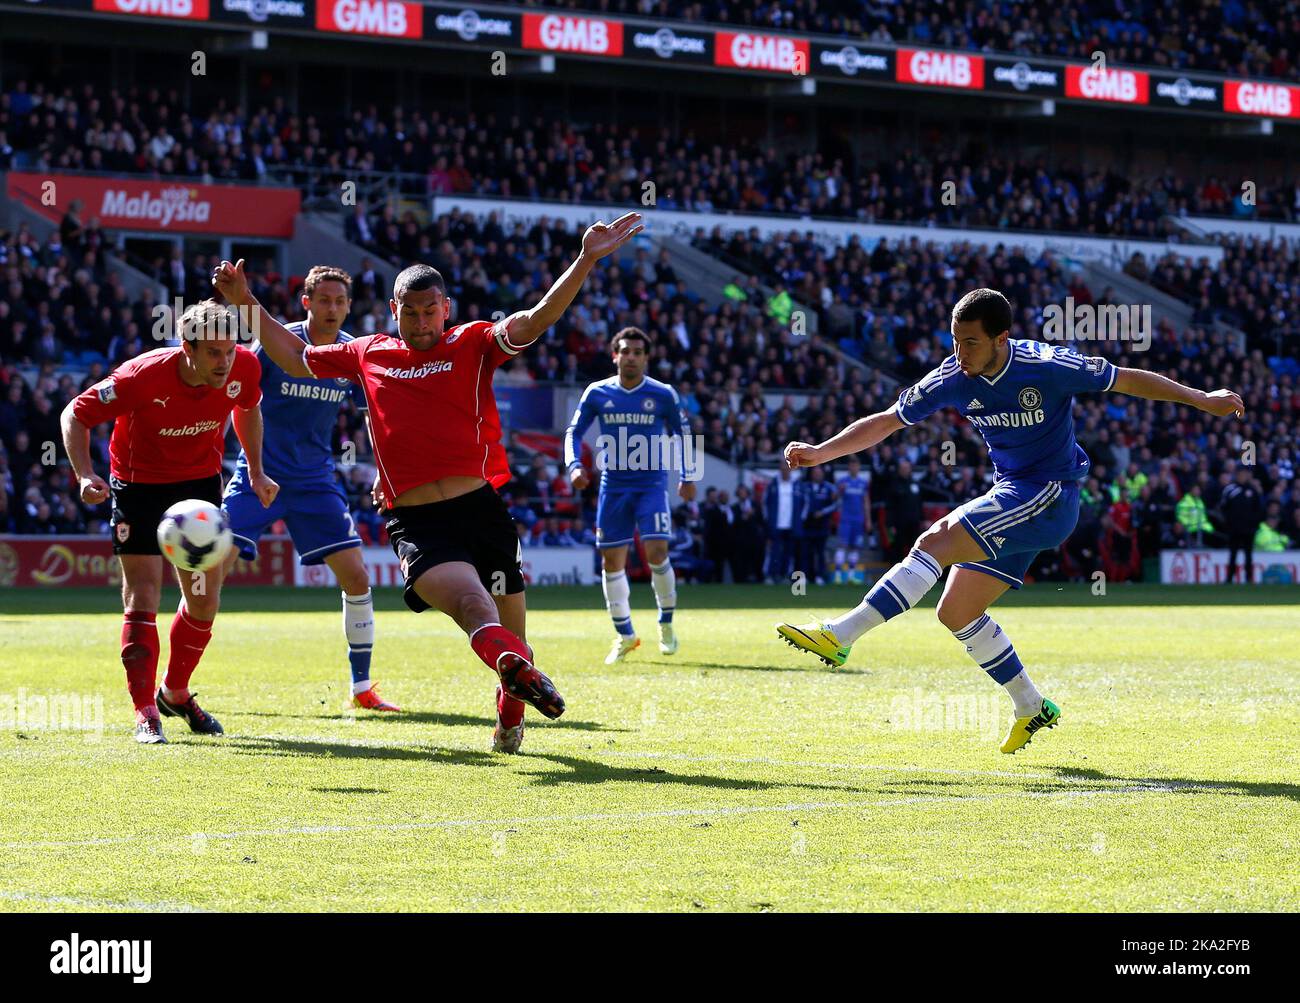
(432, 413)
(166, 430)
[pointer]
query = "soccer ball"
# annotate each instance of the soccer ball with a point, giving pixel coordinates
(194, 535)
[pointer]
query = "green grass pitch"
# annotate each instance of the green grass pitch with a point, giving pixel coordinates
(736, 775)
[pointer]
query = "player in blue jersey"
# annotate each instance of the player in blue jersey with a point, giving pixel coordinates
(643, 433)
(1019, 395)
(300, 415)
(855, 510)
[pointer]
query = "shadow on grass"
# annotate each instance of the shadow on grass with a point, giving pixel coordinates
(809, 669)
(1182, 785)
(433, 717)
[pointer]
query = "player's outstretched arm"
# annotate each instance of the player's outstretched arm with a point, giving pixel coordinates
(284, 349)
(76, 440)
(601, 239)
(248, 429)
(862, 434)
(1153, 386)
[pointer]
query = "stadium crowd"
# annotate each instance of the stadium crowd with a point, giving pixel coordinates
(1234, 37)
(149, 131)
(1158, 478)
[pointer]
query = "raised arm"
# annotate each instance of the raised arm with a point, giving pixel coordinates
(1153, 386)
(601, 239)
(862, 434)
(284, 349)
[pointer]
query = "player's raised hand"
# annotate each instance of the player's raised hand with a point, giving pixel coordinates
(686, 489)
(579, 479)
(93, 489)
(801, 454)
(265, 489)
(1222, 403)
(231, 282)
(606, 238)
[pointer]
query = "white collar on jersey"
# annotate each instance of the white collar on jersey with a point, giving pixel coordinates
(990, 380)
(628, 390)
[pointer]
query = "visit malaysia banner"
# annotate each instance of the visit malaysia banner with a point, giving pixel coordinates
(160, 206)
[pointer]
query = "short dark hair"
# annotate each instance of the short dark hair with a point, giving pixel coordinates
(417, 278)
(988, 306)
(631, 334)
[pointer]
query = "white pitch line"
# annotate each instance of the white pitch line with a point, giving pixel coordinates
(634, 816)
(134, 904)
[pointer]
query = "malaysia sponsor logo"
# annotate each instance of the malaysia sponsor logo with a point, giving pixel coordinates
(940, 69)
(470, 25)
(1030, 398)
(391, 18)
(560, 33)
(849, 60)
(666, 43)
(1249, 98)
(262, 10)
(419, 372)
(777, 53)
(198, 428)
(1097, 84)
(1183, 92)
(170, 205)
(106, 392)
(193, 10)
(1022, 76)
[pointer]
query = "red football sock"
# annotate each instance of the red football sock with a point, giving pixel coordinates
(140, 656)
(189, 636)
(492, 640)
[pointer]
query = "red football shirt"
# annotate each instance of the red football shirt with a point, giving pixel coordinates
(166, 430)
(432, 413)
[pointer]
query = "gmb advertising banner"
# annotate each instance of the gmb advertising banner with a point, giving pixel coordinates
(154, 206)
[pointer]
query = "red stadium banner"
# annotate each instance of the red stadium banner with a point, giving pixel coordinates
(590, 36)
(766, 53)
(189, 10)
(161, 206)
(64, 561)
(1121, 86)
(940, 69)
(1249, 97)
(387, 18)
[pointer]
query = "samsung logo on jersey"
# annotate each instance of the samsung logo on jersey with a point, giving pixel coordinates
(1008, 419)
(418, 372)
(312, 392)
(629, 419)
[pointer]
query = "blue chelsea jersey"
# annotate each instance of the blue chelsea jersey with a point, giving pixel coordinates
(641, 433)
(298, 417)
(1024, 412)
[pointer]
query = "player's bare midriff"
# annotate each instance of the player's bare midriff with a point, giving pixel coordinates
(443, 489)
